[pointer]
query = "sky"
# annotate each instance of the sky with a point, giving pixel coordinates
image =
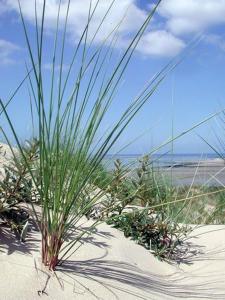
(193, 91)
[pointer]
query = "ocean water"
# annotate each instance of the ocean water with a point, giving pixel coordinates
(161, 160)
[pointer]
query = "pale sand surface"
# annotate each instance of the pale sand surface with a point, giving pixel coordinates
(207, 173)
(109, 266)
(5, 157)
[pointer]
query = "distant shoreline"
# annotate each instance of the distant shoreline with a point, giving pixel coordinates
(205, 171)
(216, 162)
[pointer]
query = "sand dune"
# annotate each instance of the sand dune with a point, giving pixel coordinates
(109, 266)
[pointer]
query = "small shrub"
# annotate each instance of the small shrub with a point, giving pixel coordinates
(17, 187)
(119, 190)
(149, 188)
(150, 231)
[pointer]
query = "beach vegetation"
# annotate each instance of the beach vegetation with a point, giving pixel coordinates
(152, 230)
(68, 115)
(64, 166)
(17, 190)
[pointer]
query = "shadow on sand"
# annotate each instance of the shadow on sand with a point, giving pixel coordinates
(10, 241)
(120, 277)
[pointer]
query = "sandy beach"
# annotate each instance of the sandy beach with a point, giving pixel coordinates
(208, 172)
(109, 266)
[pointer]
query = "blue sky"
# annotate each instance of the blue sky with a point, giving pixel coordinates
(196, 87)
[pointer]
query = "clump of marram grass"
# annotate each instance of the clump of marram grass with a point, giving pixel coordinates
(68, 115)
(68, 112)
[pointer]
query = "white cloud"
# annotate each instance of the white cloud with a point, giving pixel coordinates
(189, 16)
(179, 17)
(167, 35)
(7, 49)
(160, 42)
(155, 42)
(78, 14)
(166, 38)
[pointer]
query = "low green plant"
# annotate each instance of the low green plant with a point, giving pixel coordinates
(151, 231)
(152, 222)
(119, 190)
(17, 188)
(148, 184)
(141, 186)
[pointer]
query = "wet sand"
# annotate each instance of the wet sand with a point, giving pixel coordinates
(209, 173)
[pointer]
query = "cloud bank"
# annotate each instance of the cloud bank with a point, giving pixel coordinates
(175, 22)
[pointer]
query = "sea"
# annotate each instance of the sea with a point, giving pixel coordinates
(162, 160)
